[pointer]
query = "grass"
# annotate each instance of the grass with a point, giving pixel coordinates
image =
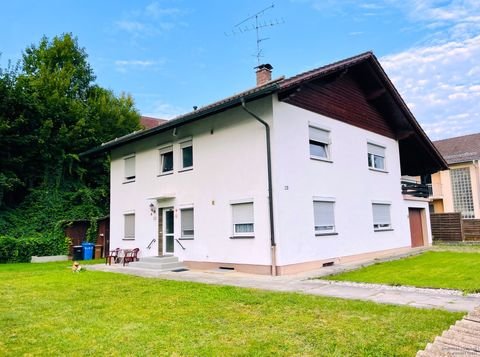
(435, 269)
(45, 309)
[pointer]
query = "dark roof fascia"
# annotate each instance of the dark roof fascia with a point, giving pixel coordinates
(214, 108)
(323, 71)
(437, 156)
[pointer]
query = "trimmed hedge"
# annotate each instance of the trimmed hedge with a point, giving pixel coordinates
(20, 250)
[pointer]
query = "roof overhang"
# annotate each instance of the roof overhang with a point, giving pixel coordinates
(215, 108)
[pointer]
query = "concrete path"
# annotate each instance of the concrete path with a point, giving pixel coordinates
(304, 283)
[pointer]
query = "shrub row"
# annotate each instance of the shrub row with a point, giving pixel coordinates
(18, 250)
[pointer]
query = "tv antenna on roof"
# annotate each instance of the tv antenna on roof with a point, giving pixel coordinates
(245, 26)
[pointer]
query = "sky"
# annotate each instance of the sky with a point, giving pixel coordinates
(171, 55)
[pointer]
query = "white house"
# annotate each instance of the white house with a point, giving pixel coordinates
(291, 175)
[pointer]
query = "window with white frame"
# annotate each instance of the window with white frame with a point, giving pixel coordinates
(242, 216)
(166, 160)
(376, 156)
(129, 226)
(319, 141)
(186, 219)
(324, 217)
(186, 152)
(129, 168)
(381, 216)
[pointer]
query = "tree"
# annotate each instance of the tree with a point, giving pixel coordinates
(50, 111)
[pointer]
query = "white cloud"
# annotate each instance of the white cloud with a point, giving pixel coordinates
(151, 20)
(160, 109)
(126, 65)
(438, 82)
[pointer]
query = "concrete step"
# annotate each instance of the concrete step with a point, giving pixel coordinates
(158, 260)
(158, 264)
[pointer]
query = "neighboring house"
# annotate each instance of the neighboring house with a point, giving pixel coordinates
(291, 175)
(458, 189)
(149, 122)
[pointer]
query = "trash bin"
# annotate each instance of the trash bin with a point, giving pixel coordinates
(88, 250)
(77, 252)
(98, 251)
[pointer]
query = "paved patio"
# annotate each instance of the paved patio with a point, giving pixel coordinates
(307, 284)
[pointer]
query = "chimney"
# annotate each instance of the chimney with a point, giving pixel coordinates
(264, 73)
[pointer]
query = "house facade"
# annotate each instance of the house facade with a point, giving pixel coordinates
(291, 175)
(458, 189)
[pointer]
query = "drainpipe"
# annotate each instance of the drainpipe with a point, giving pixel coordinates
(270, 192)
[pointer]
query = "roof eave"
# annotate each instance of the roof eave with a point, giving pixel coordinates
(183, 120)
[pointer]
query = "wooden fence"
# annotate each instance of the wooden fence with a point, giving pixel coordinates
(77, 231)
(451, 227)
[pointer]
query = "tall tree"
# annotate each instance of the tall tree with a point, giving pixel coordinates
(50, 111)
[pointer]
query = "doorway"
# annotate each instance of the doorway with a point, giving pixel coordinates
(169, 235)
(416, 226)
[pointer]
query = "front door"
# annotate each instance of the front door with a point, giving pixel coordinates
(169, 232)
(416, 226)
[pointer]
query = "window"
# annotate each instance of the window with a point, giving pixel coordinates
(462, 192)
(324, 218)
(376, 157)
(242, 214)
(381, 216)
(319, 140)
(129, 168)
(129, 228)
(186, 150)
(186, 217)
(166, 160)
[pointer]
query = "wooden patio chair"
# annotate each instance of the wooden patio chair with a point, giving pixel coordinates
(113, 255)
(131, 256)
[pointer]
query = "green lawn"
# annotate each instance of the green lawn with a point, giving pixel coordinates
(45, 309)
(436, 269)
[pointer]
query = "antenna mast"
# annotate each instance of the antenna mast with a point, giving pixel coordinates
(257, 26)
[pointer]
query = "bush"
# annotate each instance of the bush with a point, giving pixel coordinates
(20, 250)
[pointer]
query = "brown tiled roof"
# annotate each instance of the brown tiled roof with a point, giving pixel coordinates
(149, 122)
(460, 149)
(324, 70)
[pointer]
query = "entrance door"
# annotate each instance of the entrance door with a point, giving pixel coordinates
(416, 227)
(169, 232)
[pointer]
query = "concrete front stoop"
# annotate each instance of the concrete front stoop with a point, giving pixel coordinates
(167, 263)
(461, 339)
(148, 266)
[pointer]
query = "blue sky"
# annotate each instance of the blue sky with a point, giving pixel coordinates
(173, 54)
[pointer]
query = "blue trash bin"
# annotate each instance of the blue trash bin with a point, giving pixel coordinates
(88, 250)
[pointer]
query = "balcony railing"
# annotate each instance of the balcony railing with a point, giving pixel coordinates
(415, 189)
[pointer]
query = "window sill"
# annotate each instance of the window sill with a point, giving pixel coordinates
(326, 234)
(317, 158)
(242, 237)
(186, 169)
(186, 238)
(165, 173)
(383, 230)
(128, 181)
(377, 170)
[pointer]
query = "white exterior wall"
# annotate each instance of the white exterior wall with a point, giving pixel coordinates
(347, 179)
(228, 165)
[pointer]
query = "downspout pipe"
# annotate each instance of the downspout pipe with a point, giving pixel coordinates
(270, 190)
